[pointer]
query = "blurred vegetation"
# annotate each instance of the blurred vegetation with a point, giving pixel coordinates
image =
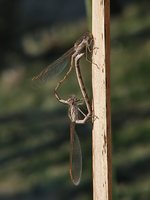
(34, 127)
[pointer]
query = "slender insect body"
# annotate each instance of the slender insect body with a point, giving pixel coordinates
(73, 109)
(75, 147)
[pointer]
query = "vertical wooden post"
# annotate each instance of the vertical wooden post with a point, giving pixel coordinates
(102, 173)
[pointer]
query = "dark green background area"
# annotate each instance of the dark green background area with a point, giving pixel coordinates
(34, 127)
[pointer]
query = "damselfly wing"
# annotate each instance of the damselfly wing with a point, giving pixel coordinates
(55, 68)
(81, 45)
(75, 156)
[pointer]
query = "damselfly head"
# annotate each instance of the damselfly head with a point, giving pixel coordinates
(86, 38)
(73, 100)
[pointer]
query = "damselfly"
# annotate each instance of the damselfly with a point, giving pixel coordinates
(83, 45)
(75, 147)
(72, 58)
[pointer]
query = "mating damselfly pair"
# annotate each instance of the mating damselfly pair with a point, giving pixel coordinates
(71, 59)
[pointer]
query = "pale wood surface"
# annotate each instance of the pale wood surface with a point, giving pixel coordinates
(101, 127)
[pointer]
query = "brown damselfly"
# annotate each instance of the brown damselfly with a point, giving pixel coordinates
(71, 59)
(67, 60)
(75, 147)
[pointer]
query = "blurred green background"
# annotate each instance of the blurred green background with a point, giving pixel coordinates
(34, 127)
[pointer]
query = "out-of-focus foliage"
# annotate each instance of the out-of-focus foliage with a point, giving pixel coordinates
(130, 60)
(34, 128)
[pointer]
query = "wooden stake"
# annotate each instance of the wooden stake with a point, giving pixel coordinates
(102, 173)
